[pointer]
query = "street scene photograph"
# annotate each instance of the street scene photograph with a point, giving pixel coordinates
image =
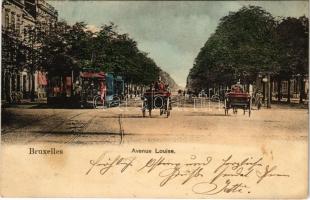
(217, 76)
(189, 74)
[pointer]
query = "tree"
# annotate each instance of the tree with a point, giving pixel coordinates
(14, 53)
(241, 47)
(73, 46)
(118, 53)
(292, 39)
(107, 50)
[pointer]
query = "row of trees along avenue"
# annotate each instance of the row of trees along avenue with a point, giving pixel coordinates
(69, 45)
(249, 42)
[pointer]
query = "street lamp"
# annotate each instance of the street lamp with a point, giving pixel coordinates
(266, 79)
(209, 97)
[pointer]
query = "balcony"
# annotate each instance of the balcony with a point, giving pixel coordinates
(19, 3)
(48, 8)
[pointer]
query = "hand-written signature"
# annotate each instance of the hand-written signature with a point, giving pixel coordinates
(106, 163)
(206, 175)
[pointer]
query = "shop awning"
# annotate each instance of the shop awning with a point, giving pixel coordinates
(98, 75)
(42, 80)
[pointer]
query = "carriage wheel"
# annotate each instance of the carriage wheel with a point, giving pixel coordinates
(225, 106)
(143, 108)
(168, 113)
(97, 102)
(250, 108)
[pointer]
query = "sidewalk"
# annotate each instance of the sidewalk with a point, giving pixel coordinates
(25, 103)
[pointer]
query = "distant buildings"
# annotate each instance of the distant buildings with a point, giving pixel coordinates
(19, 19)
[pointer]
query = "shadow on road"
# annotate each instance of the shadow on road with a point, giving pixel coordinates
(205, 114)
(80, 133)
(124, 116)
(40, 106)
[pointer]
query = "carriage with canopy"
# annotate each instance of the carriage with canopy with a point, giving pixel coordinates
(157, 97)
(236, 99)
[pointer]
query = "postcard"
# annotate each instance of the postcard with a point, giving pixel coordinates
(154, 99)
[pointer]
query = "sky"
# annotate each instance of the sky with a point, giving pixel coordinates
(172, 32)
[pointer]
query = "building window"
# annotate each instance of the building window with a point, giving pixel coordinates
(50, 25)
(7, 19)
(13, 82)
(18, 25)
(13, 21)
(18, 83)
(295, 83)
(24, 83)
(284, 87)
(25, 33)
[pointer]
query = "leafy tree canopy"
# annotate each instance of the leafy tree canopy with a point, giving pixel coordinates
(247, 42)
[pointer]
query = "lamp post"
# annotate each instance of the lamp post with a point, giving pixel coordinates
(210, 97)
(300, 85)
(268, 91)
(266, 79)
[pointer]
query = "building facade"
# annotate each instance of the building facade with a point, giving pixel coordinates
(20, 18)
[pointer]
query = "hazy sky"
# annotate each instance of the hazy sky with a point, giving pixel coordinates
(171, 32)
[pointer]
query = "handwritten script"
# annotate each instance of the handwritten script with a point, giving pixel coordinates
(205, 175)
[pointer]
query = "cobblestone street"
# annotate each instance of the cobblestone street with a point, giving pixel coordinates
(126, 125)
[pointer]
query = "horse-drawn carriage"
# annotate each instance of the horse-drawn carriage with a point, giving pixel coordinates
(236, 99)
(157, 99)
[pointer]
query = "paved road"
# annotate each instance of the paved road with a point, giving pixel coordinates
(126, 125)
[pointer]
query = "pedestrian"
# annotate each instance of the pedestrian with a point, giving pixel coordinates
(103, 90)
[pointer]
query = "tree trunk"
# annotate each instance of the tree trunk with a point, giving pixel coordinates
(32, 96)
(141, 90)
(268, 91)
(264, 91)
(8, 87)
(271, 89)
(279, 89)
(301, 89)
(288, 90)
